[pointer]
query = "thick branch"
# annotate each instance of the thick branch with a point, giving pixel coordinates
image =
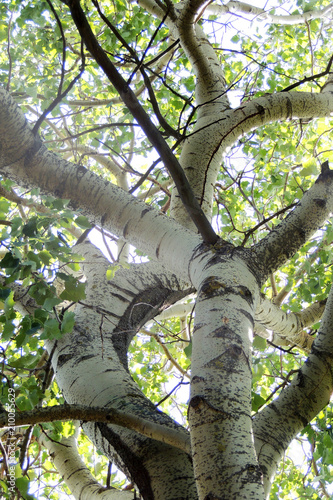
(288, 327)
(75, 473)
(272, 107)
(299, 225)
(298, 403)
(180, 439)
(245, 8)
(105, 204)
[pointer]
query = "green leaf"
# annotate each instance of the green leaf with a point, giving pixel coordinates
(259, 343)
(4, 293)
(310, 168)
(51, 329)
(8, 331)
(257, 402)
(23, 484)
(74, 290)
(51, 302)
(111, 271)
(188, 350)
(9, 261)
(30, 228)
(82, 222)
(45, 257)
(23, 403)
(68, 322)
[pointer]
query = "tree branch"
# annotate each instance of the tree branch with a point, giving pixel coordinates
(190, 202)
(77, 476)
(245, 8)
(299, 225)
(299, 403)
(178, 438)
(289, 327)
(105, 204)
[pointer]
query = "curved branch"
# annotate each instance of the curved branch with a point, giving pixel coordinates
(153, 7)
(212, 100)
(272, 107)
(299, 403)
(245, 8)
(76, 475)
(288, 327)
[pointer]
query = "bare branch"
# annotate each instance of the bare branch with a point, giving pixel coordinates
(178, 438)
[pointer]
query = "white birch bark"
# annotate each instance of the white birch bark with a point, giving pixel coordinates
(211, 100)
(234, 7)
(76, 475)
(105, 204)
(224, 459)
(298, 227)
(98, 345)
(299, 403)
(287, 328)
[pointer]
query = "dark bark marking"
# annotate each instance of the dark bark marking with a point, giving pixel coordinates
(124, 290)
(85, 358)
(37, 145)
(303, 419)
(320, 202)
(274, 408)
(247, 315)
(63, 358)
(211, 287)
(74, 381)
(253, 474)
(120, 297)
(326, 173)
(222, 332)
(324, 356)
(264, 468)
(157, 253)
(225, 331)
(198, 326)
(300, 379)
(261, 111)
(76, 470)
(245, 292)
(80, 171)
(137, 471)
(235, 351)
(144, 212)
(289, 109)
(196, 402)
(144, 306)
(125, 230)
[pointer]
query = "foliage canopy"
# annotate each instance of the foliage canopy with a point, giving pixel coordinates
(80, 115)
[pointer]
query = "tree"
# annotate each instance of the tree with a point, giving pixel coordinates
(198, 147)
